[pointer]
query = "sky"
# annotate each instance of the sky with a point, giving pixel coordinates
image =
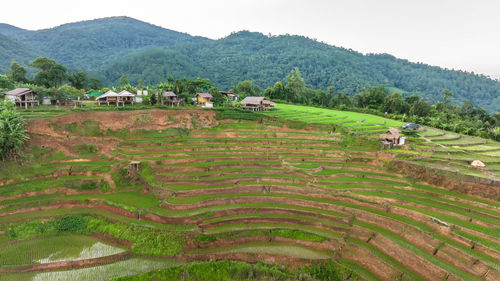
(455, 34)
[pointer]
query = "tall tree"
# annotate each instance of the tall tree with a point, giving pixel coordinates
(342, 99)
(278, 91)
(295, 85)
(217, 96)
(79, 80)
(51, 74)
(245, 89)
(123, 83)
(95, 84)
(420, 108)
(467, 109)
(17, 73)
(5, 82)
(393, 104)
(447, 94)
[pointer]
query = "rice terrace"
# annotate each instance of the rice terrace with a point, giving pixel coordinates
(248, 145)
(294, 193)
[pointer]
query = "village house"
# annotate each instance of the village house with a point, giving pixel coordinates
(230, 96)
(107, 98)
(22, 97)
(257, 103)
(126, 97)
(170, 98)
(110, 97)
(204, 99)
(391, 138)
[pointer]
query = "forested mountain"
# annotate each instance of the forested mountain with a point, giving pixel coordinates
(265, 60)
(13, 50)
(92, 44)
(112, 47)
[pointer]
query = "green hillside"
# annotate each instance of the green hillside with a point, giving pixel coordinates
(216, 192)
(93, 43)
(112, 47)
(12, 50)
(265, 60)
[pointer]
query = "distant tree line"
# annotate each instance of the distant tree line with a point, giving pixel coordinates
(266, 59)
(52, 80)
(465, 119)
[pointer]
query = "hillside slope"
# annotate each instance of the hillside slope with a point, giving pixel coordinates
(13, 50)
(112, 47)
(93, 43)
(231, 185)
(265, 60)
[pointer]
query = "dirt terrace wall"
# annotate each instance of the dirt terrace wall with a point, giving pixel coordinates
(476, 186)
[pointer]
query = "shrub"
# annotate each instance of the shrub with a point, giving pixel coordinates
(12, 132)
(70, 223)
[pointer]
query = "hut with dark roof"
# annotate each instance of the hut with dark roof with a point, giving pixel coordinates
(170, 98)
(230, 96)
(257, 103)
(22, 97)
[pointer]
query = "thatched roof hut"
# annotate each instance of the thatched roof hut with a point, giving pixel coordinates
(391, 134)
(256, 103)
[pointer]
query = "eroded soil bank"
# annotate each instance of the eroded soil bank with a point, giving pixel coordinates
(471, 185)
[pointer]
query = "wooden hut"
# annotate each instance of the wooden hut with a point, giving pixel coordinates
(257, 103)
(126, 97)
(230, 96)
(170, 98)
(204, 99)
(22, 97)
(109, 97)
(392, 137)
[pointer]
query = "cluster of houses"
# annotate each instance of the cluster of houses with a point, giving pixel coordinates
(25, 97)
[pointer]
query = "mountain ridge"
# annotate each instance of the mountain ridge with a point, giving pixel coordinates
(115, 46)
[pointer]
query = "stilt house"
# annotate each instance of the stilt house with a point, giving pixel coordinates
(22, 97)
(170, 98)
(257, 103)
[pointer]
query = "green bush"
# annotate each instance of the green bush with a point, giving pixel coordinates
(223, 270)
(70, 223)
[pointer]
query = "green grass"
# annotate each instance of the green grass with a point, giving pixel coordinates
(266, 215)
(274, 248)
(271, 233)
(310, 114)
(230, 227)
(75, 182)
(135, 199)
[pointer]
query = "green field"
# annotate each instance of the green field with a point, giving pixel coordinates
(280, 188)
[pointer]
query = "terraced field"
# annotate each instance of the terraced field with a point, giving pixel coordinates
(210, 188)
(356, 122)
(433, 148)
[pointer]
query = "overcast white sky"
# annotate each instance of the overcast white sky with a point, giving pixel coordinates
(459, 34)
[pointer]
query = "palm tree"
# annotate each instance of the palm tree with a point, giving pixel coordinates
(495, 133)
